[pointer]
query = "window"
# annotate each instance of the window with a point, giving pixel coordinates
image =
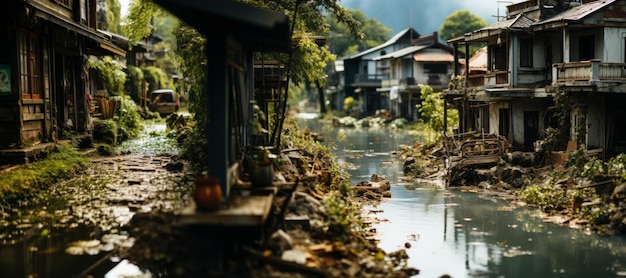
(498, 58)
(66, 3)
(30, 71)
(436, 68)
(586, 48)
(526, 53)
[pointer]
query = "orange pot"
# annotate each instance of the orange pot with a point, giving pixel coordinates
(208, 194)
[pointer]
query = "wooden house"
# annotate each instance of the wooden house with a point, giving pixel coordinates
(45, 80)
(360, 74)
(427, 62)
(541, 48)
(231, 70)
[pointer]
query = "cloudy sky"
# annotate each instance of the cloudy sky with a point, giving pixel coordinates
(426, 15)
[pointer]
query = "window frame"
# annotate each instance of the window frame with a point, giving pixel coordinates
(526, 53)
(29, 60)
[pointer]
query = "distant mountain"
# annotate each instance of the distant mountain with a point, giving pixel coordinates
(426, 15)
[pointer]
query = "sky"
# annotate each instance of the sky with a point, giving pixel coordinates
(425, 16)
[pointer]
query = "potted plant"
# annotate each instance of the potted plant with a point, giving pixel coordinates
(260, 166)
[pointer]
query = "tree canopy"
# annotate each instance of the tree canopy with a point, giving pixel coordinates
(459, 23)
(342, 42)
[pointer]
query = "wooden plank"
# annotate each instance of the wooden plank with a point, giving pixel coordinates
(241, 211)
(33, 117)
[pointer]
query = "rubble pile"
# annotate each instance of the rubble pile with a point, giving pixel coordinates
(597, 202)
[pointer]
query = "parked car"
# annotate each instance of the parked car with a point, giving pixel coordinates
(164, 101)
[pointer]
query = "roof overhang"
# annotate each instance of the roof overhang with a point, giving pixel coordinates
(427, 56)
(105, 47)
(261, 30)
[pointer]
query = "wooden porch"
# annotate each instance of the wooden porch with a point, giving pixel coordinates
(587, 73)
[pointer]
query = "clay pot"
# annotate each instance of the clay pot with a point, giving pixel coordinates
(208, 194)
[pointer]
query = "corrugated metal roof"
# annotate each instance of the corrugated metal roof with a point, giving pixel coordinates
(578, 13)
(521, 21)
(391, 41)
(402, 52)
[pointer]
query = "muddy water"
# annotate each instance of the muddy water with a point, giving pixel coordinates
(467, 234)
(74, 228)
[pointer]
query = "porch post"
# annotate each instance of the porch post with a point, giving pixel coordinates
(566, 46)
(445, 116)
(464, 121)
(217, 129)
(456, 58)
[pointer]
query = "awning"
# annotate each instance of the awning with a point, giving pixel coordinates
(99, 40)
(262, 30)
(433, 57)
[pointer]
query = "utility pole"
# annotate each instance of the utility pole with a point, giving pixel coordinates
(497, 16)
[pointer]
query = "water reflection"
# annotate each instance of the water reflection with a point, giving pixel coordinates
(468, 234)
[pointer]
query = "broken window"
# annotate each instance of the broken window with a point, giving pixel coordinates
(30, 72)
(586, 48)
(498, 58)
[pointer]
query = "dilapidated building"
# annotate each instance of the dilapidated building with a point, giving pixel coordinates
(544, 48)
(44, 77)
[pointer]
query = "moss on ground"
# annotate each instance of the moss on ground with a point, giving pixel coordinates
(24, 181)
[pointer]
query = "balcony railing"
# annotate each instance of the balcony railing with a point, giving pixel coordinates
(588, 72)
(406, 81)
(490, 79)
(368, 78)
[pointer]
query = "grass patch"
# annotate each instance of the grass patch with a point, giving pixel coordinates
(19, 184)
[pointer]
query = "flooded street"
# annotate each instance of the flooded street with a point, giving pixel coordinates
(73, 229)
(466, 234)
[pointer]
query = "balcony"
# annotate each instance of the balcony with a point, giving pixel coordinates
(587, 73)
(368, 80)
(406, 81)
(489, 79)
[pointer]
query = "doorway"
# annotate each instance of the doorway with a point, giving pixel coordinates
(531, 129)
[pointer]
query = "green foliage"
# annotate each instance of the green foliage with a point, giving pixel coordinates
(309, 60)
(194, 66)
(344, 218)
(459, 23)
(112, 74)
(105, 131)
(136, 79)
(156, 78)
(114, 16)
(23, 182)
(350, 104)
(128, 119)
(617, 167)
(343, 42)
(432, 110)
(556, 138)
(592, 168)
(139, 20)
(577, 158)
(545, 196)
(581, 131)
(312, 61)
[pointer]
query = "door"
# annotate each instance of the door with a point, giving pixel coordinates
(531, 129)
(504, 123)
